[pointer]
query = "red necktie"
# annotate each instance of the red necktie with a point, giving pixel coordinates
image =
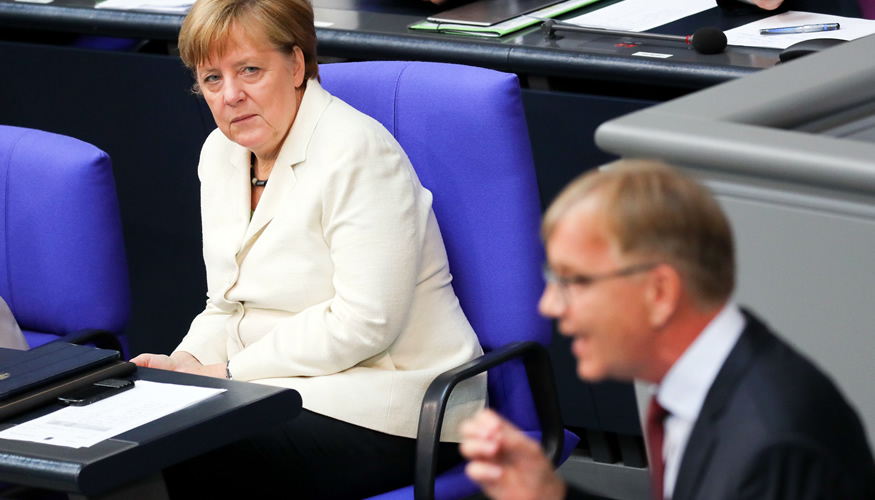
(868, 8)
(655, 438)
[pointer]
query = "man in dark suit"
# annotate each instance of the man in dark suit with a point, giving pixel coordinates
(641, 271)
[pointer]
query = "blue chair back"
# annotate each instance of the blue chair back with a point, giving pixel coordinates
(62, 258)
(464, 131)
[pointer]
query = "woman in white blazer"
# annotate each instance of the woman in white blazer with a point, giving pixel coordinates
(326, 271)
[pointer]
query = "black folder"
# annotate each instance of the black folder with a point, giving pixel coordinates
(48, 394)
(23, 371)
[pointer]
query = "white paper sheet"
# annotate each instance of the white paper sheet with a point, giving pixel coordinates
(749, 34)
(641, 15)
(163, 6)
(83, 426)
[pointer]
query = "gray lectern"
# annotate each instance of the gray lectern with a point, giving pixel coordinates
(790, 153)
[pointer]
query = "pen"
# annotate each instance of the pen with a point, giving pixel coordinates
(808, 28)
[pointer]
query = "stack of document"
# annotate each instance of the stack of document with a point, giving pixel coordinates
(163, 6)
(503, 28)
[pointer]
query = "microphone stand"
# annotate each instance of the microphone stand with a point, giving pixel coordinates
(704, 40)
(551, 26)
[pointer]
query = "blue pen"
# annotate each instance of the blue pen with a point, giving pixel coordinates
(808, 28)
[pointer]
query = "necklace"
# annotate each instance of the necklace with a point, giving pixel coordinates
(255, 180)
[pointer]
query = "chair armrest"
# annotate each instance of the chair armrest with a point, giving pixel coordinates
(103, 339)
(539, 372)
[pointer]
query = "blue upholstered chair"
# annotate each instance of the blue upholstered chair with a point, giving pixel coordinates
(63, 270)
(465, 133)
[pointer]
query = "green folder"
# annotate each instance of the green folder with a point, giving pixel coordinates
(503, 28)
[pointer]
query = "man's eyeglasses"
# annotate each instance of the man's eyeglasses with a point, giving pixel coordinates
(563, 282)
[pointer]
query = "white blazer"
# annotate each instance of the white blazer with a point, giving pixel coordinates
(339, 285)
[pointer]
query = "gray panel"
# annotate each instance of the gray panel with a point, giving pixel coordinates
(860, 130)
(761, 152)
(743, 126)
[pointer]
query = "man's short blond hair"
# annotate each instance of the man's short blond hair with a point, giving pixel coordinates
(654, 211)
(285, 24)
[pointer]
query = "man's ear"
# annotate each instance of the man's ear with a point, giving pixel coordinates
(663, 294)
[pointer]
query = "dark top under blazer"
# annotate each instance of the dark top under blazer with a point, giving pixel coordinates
(773, 426)
(847, 8)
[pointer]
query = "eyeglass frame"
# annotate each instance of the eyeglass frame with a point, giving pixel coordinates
(563, 282)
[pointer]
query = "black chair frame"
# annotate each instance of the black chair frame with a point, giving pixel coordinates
(539, 372)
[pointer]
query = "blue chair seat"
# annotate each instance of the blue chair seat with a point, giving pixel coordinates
(62, 259)
(464, 131)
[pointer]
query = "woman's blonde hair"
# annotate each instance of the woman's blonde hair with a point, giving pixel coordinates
(285, 24)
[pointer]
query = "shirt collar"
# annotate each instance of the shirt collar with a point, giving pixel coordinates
(683, 389)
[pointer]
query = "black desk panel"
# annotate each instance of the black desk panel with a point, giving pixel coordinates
(244, 409)
(79, 16)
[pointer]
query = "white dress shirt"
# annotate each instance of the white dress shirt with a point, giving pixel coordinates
(685, 386)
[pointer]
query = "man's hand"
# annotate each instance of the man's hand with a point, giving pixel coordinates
(505, 462)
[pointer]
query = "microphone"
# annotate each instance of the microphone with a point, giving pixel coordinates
(704, 40)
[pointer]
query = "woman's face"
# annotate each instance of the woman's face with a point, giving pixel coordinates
(251, 91)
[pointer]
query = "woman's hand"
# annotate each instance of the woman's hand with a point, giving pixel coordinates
(159, 361)
(217, 370)
(179, 361)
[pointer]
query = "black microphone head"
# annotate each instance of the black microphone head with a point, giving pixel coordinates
(547, 28)
(708, 41)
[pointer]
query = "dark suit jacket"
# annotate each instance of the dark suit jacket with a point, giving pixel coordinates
(773, 426)
(847, 8)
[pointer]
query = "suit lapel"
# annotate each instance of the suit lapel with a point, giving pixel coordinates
(238, 194)
(282, 182)
(283, 177)
(705, 435)
(696, 459)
